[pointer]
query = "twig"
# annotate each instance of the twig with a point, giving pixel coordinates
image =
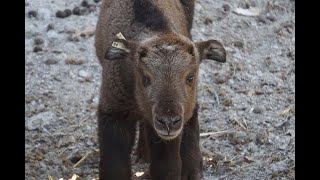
(213, 133)
(82, 159)
(240, 124)
(206, 151)
(217, 97)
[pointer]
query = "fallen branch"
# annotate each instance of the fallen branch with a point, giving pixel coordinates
(213, 133)
(83, 158)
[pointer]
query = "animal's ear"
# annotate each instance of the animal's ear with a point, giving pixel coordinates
(211, 49)
(119, 49)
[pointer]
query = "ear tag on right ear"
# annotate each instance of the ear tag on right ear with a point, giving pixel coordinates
(119, 45)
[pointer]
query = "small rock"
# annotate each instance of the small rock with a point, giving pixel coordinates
(51, 61)
(227, 102)
(66, 141)
(261, 137)
(84, 11)
(86, 75)
(226, 7)
(279, 166)
(28, 99)
(271, 18)
(76, 11)
(37, 49)
(32, 14)
(74, 61)
(291, 98)
(252, 147)
(238, 44)
(257, 110)
(44, 14)
(38, 41)
(68, 12)
(85, 4)
(40, 120)
(74, 159)
(96, 1)
(238, 138)
(261, 19)
(61, 14)
(207, 21)
(50, 27)
(89, 143)
(221, 78)
(291, 55)
(92, 8)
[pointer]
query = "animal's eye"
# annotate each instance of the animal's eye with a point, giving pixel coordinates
(190, 80)
(146, 80)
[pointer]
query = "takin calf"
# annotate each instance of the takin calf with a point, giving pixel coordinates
(151, 78)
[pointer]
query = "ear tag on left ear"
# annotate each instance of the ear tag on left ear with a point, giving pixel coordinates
(120, 36)
(120, 45)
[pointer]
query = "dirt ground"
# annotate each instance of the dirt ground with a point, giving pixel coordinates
(247, 104)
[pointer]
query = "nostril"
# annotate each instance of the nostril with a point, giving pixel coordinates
(161, 120)
(176, 120)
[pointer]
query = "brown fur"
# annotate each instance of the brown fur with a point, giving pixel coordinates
(154, 83)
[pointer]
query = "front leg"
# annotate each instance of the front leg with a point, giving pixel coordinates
(116, 131)
(164, 156)
(190, 150)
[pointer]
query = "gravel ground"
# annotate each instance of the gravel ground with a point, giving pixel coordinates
(248, 103)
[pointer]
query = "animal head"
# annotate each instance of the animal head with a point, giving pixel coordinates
(166, 73)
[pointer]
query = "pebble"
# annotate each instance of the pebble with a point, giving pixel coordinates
(74, 61)
(252, 147)
(32, 14)
(68, 12)
(50, 27)
(226, 7)
(238, 44)
(257, 110)
(51, 61)
(38, 121)
(92, 8)
(38, 41)
(85, 4)
(86, 75)
(63, 14)
(207, 21)
(37, 49)
(76, 11)
(238, 138)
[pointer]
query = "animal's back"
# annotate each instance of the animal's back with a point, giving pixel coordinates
(136, 20)
(115, 16)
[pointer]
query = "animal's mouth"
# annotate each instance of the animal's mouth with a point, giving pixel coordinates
(167, 134)
(167, 126)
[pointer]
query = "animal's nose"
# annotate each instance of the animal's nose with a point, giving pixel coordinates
(169, 121)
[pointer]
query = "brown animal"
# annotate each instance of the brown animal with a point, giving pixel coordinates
(152, 80)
